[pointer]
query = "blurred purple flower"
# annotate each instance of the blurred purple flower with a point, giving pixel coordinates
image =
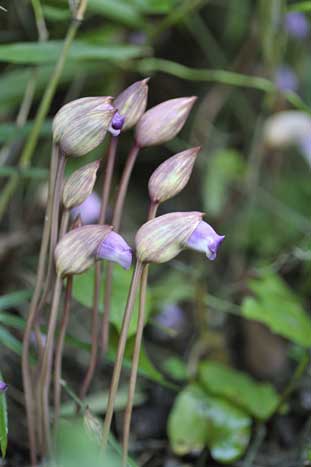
(88, 210)
(286, 79)
(305, 147)
(114, 248)
(205, 239)
(172, 317)
(297, 25)
(3, 386)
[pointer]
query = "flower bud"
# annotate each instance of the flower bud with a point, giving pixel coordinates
(89, 210)
(3, 386)
(76, 251)
(162, 238)
(162, 122)
(80, 185)
(114, 248)
(172, 175)
(81, 125)
(205, 239)
(132, 102)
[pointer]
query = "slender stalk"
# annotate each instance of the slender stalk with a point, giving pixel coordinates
(135, 363)
(59, 350)
(45, 376)
(116, 221)
(92, 363)
(54, 228)
(138, 340)
(111, 157)
(30, 412)
(43, 109)
(120, 352)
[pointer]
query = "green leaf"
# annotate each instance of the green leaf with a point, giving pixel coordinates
(259, 399)
(3, 422)
(48, 52)
(14, 298)
(176, 368)
(83, 293)
(121, 11)
(9, 341)
(198, 420)
(173, 287)
(225, 168)
(276, 306)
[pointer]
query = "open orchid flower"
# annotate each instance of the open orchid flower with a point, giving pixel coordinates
(205, 239)
(114, 248)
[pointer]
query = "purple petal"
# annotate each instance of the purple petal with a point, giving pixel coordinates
(3, 386)
(205, 239)
(89, 210)
(305, 147)
(116, 124)
(286, 79)
(114, 248)
(171, 317)
(297, 25)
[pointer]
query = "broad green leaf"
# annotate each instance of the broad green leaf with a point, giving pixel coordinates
(259, 399)
(156, 6)
(176, 368)
(199, 419)
(3, 423)
(48, 52)
(9, 131)
(83, 293)
(276, 306)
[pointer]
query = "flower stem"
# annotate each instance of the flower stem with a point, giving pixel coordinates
(116, 221)
(135, 363)
(45, 376)
(120, 352)
(59, 350)
(92, 363)
(111, 158)
(138, 340)
(32, 313)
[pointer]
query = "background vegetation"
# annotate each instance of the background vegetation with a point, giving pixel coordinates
(224, 375)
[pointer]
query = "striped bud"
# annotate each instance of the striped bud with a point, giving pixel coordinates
(132, 102)
(162, 238)
(80, 185)
(172, 175)
(162, 122)
(81, 125)
(76, 251)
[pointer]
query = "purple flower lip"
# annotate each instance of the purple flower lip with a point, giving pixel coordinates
(296, 25)
(114, 248)
(89, 210)
(205, 239)
(116, 124)
(286, 79)
(3, 386)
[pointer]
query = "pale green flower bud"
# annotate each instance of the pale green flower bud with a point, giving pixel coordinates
(172, 175)
(81, 125)
(132, 102)
(162, 122)
(76, 251)
(162, 238)
(80, 185)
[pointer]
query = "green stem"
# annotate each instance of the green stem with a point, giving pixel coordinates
(59, 351)
(138, 340)
(116, 221)
(32, 314)
(120, 352)
(43, 109)
(135, 363)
